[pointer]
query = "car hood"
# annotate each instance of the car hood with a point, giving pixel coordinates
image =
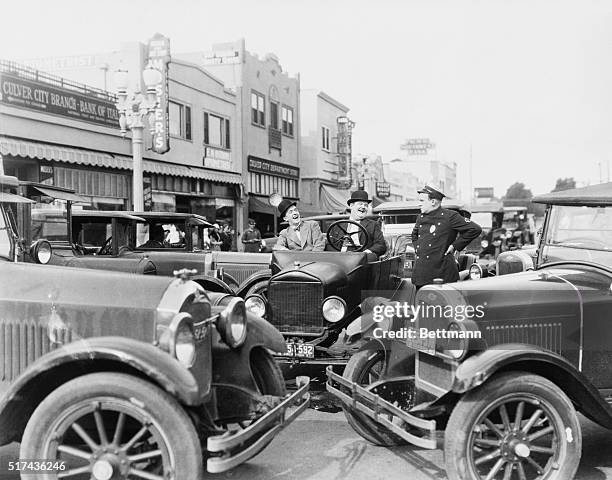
(167, 262)
(326, 273)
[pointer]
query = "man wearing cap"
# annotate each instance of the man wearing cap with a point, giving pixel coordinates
(437, 234)
(376, 245)
(300, 235)
(251, 238)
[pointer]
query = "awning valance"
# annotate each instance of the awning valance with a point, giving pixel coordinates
(44, 151)
(333, 200)
(261, 205)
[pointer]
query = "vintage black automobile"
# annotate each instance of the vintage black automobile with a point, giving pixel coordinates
(313, 296)
(106, 377)
(505, 385)
(118, 241)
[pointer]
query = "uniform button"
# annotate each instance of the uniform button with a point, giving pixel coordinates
(430, 244)
(438, 223)
(427, 256)
(434, 234)
(443, 214)
(417, 257)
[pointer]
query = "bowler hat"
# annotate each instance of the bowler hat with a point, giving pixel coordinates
(358, 196)
(432, 192)
(285, 205)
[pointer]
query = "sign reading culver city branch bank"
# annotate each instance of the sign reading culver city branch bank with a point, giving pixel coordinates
(159, 56)
(19, 92)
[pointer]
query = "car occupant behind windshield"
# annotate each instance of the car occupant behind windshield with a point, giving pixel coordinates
(437, 234)
(300, 235)
(156, 237)
(251, 238)
(359, 203)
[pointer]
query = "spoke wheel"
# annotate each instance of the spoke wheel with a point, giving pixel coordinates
(365, 368)
(517, 426)
(113, 426)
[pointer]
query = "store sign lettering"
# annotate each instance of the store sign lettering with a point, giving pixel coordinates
(21, 93)
(259, 165)
(159, 57)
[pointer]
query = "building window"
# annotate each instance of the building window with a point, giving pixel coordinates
(216, 131)
(180, 120)
(325, 138)
(287, 114)
(258, 115)
(274, 115)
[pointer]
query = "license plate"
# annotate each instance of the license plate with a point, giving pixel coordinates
(422, 344)
(301, 350)
(199, 332)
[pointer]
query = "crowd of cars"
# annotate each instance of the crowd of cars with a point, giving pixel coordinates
(162, 359)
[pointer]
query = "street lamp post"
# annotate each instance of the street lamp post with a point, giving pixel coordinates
(134, 112)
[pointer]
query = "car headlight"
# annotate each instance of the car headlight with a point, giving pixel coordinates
(484, 243)
(178, 340)
(475, 271)
(256, 305)
(40, 251)
(508, 234)
(334, 309)
(232, 323)
(455, 345)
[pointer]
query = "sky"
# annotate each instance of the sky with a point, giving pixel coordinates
(509, 90)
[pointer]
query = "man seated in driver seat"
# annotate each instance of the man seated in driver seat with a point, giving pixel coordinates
(376, 245)
(156, 237)
(300, 235)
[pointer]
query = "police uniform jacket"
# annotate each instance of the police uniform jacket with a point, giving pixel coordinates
(433, 233)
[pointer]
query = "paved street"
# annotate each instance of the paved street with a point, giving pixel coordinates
(322, 446)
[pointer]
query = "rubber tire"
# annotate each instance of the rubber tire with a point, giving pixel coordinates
(267, 374)
(474, 402)
(162, 408)
(260, 288)
(362, 424)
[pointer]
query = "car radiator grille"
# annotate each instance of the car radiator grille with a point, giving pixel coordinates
(296, 307)
(21, 343)
(546, 334)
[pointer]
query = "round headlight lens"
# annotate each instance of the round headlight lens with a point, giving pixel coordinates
(256, 305)
(484, 243)
(456, 345)
(184, 344)
(41, 251)
(334, 309)
(508, 234)
(475, 272)
(232, 324)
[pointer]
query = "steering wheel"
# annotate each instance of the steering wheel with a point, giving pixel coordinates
(105, 249)
(337, 235)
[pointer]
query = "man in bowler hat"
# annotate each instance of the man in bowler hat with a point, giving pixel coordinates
(437, 234)
(300, 235)
(376, 245)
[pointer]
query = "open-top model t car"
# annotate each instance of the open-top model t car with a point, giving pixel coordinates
(106, 377)
(313, 296)
(502, 364)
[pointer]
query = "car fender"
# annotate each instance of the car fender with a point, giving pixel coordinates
(212, 284)
(233, 365)
(98, 354)
(477, 369)
(257, 277)
(399, 357)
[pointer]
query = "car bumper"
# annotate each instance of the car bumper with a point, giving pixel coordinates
(382, 412)
(231, 449)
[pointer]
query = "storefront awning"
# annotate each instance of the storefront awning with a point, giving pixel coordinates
(61, 194)
(12, 198)
(44, 151)
(333, 200)
(261, 205)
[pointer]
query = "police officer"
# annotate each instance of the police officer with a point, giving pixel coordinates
(437, 234)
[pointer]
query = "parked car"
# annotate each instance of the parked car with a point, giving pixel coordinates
(111, 375)
(507, 385)
(76, 237)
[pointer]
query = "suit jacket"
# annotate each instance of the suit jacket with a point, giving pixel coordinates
(311, 238)
(376, 243)
(433, 233)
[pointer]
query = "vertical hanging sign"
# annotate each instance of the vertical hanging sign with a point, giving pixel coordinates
(159, 57)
